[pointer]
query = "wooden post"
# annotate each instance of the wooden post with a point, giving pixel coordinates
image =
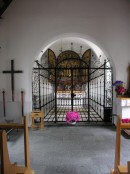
(118, 143)
(128, 164)
(26, 144)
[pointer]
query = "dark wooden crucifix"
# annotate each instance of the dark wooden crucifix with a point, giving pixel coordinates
(12, 72)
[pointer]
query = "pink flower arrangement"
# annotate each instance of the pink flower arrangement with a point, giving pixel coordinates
(125, 120)
(72, 116)
(119, 87)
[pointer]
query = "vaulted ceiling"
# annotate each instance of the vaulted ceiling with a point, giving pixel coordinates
(3, 6)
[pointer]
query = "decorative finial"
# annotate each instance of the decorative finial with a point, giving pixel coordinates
(71, 46)
(61, 46)
(80, 52)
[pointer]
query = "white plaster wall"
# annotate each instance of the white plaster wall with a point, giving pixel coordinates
(30, 25)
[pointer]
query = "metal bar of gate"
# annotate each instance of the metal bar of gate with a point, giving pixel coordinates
(104, 91)
(104, 82)
(72, 95)
(39, 88)
(55, 97)
(88, 97)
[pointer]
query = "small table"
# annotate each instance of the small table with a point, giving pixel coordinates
(35, 115)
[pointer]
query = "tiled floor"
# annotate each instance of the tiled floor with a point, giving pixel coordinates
(69, 149)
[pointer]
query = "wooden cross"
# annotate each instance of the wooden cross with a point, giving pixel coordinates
(12, 72)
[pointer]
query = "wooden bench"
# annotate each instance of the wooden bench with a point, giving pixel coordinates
(127, 131)
(6, 166)
(7, 120)
(37, 115)
(118, 168)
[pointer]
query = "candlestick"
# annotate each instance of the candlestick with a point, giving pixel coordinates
(22, 102)
(4, 102)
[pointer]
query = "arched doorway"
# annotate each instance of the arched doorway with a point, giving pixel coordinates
(71, 81)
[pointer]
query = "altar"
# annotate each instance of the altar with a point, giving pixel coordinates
(123, 107)
(123, 110)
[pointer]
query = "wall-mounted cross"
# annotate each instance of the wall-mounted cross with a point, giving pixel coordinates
(12, 72)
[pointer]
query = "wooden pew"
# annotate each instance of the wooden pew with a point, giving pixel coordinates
(118, 168)
(7, 120)
(6, 166)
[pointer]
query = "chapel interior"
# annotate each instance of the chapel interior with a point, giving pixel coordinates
(64, 87)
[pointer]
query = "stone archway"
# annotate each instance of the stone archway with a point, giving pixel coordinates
(100, 95)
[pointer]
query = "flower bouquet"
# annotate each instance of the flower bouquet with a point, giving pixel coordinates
(72, 117)
(119, 87)
(125, 120)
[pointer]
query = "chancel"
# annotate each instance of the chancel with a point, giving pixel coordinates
(75, 57)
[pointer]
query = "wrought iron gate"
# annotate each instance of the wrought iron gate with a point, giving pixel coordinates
(86, 89)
